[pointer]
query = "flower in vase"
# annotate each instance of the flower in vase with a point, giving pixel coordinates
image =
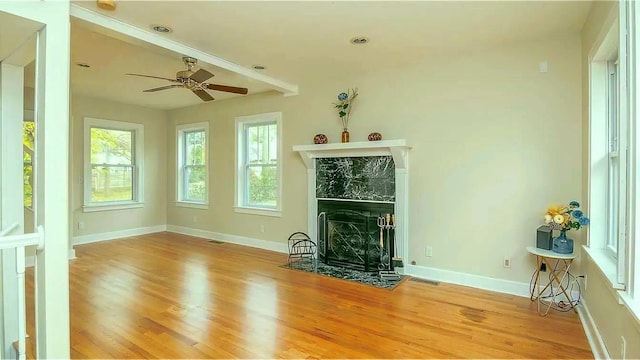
(344, 106)
(566, 217)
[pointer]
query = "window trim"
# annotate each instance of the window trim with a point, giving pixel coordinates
(607, 49)
(180, 130)
(138, 167)
(240, 178)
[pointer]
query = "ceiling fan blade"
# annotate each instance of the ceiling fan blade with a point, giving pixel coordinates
(201, 75)
(231, 89)
(203, 95)
(154, 77)
(163, 88)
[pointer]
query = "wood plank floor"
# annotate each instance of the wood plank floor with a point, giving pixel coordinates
(166, 295)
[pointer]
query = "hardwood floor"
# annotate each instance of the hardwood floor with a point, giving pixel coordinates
(166, 295)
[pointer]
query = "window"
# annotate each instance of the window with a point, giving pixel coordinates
(28, 147)
(113, 174)
(258, 173)
(613, 181)
(193, 174)
(608, 168)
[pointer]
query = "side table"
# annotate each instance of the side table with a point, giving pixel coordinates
(558, 267)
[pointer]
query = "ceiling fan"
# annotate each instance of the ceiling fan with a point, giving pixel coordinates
(194, 81)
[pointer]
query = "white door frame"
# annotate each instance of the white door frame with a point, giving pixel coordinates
(52, 182)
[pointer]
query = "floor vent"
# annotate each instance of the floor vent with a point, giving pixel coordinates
(216, 241)
(425, 281)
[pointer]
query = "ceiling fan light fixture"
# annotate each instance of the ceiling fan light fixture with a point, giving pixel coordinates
(359, 40)
(108, 5)
(161, 28)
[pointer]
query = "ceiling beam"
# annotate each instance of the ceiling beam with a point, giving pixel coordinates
(118, 26)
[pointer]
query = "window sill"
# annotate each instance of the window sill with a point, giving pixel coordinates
(606, 265)
(116, 206)
(257, 211)
(192, 205)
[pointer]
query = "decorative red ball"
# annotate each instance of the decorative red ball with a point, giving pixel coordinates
(320, 139)
(375, 136)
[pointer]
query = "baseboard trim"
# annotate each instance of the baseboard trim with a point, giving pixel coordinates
(30, 261)
(87, 239)
(234, 239)
(476, 281)
(594, 338)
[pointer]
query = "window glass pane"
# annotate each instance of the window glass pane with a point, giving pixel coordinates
(612, 97)
(28, 134)
(111, 183)
(195, 148)
(614, 168)
(262, 186)
(273, 143)
(28, 140)
(195, 182)
(113, 147)
(262, 144)
(254, 148)
(28, 190)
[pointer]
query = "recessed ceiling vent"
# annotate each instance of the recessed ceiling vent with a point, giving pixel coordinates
(161, 28)
(359, 40)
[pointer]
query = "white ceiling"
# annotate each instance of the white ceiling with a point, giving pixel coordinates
(292, 38)
(111, 58)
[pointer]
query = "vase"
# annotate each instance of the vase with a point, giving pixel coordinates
(345, 136)
(562, 244)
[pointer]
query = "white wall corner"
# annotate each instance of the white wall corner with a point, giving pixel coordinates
(234, 239)
(594, 338)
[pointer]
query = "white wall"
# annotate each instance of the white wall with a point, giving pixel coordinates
(494, 143)
(155, 170)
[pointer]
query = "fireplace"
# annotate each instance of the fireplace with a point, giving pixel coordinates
(352, 186)
(349, 235)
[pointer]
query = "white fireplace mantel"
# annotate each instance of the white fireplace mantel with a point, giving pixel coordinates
(396, 148)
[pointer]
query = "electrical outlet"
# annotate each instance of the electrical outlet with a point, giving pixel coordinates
(428, 251)
(543, 267)
(623, 348)
(195, 219)
(506, 263)
(80, 225)
(261, 228)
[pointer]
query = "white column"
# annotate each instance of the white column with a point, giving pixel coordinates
(11, 113)
(52, 182)
(402, 216)
(312, 205)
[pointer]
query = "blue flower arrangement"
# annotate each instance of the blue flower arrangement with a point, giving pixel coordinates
(344, 106)
(564, 218)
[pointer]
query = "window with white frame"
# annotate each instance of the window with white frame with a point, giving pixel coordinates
(113, 153)
(193, 170)
(613, 178)
(258, 171)
(611, 114)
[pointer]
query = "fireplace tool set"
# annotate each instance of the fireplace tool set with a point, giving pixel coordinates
(385, 270)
